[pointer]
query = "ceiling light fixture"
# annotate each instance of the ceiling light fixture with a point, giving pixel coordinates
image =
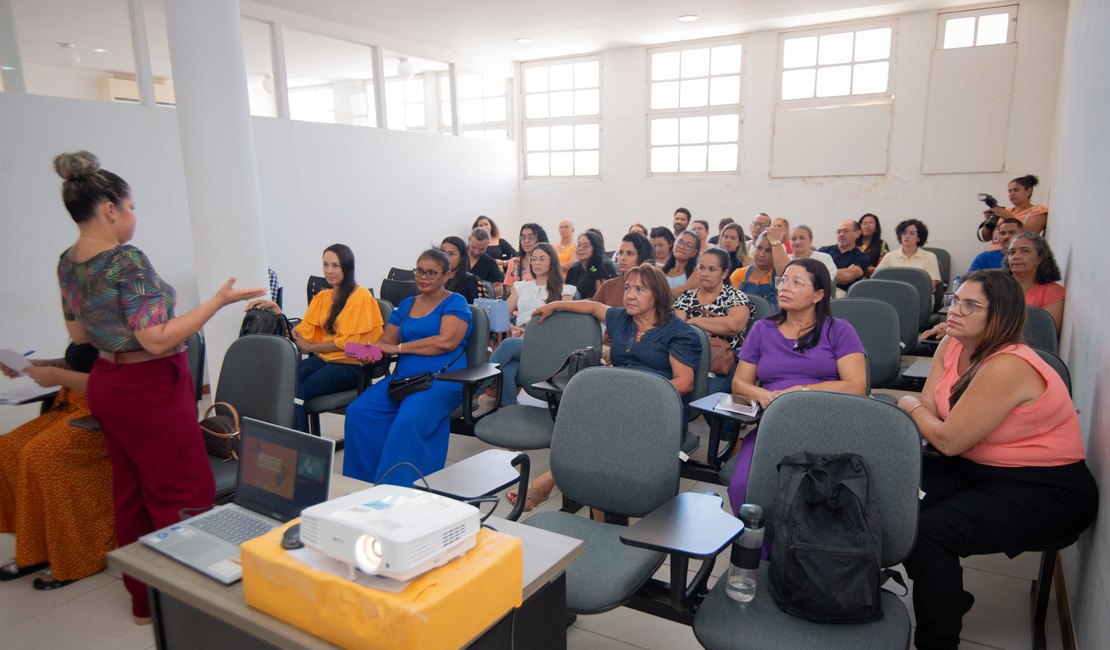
(688, 18)
(100, 50)
(523, 40)
(268, 83)
(405, 69)
(7, 68)
(69, 55)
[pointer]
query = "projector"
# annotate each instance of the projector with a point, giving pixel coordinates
(391, 531)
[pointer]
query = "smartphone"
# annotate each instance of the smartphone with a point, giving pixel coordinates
(363, 351)
(741, 400)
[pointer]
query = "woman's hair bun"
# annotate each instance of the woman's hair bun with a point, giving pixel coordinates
(71, 166)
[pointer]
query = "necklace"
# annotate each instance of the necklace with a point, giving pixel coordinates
(641, 332)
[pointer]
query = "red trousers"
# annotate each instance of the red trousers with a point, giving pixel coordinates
(148, 414)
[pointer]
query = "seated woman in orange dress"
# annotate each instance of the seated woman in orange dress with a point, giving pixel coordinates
(56, 483)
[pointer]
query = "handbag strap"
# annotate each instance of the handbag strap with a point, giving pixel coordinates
(228, 406)
(452, 361)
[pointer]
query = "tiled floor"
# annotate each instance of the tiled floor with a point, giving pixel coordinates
(95, 613)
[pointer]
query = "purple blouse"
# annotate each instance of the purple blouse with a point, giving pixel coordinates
(780, 366)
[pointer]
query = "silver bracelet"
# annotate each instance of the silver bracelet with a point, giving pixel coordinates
(915, 408)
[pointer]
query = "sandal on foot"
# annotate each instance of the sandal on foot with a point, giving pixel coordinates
(142, 620)
(47, 582)
(11, 570)
(534, 499)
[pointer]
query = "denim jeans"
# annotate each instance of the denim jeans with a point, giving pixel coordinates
(508, 355)
(316, 377)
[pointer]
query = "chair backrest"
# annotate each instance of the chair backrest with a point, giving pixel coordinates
(195, 353)
(1058, 365)
(876, 323)
(547, 344)
(259, 378)
(944, 261)
(405, 275)
(397, 290)
(477, 346)
(489, 288)
(701, 375)
(316, 284)
(1040, 329)
(629, 469)
(920, 281)
(386, 308)
(760, 309)
(837, 423)
(899, 295)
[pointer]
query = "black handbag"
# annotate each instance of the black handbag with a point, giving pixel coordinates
(261, 320)
(576, 361)
(402, 387)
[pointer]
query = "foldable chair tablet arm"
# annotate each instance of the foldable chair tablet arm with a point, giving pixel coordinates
(472, 378)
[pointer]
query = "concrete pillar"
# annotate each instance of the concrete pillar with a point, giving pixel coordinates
(11, 65)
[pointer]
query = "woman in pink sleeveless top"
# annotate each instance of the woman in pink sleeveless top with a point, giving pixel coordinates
(1012, 474)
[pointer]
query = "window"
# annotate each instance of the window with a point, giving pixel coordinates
(836, 64)
(483, 106)
(417, 94)
(312, 104)
(694, 114)
(974, 28)
(328, 78)
(562, 111)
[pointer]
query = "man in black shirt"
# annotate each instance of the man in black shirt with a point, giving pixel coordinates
(482, 265)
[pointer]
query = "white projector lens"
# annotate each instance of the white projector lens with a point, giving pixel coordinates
(368, 554)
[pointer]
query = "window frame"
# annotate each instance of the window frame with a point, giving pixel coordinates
(708, 110)
(1011, 28)
(464, 129)
(850, 99)
(572, 121)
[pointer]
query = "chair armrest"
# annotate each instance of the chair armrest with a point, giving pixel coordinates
(707, 406)
(472, 374)
(553, 394)
(472, 377)
(483, 474)
(371, 370)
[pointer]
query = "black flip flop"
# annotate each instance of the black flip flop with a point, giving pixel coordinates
(49, 583)
(6, 574)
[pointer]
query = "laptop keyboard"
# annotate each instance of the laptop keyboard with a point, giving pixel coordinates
(232, 525)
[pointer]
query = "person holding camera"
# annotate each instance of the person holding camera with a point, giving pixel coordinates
(1020, 191)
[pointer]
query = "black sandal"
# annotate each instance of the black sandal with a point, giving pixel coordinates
(12, 571)
(47, 582)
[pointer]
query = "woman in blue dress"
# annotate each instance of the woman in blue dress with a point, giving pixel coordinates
(428, 333)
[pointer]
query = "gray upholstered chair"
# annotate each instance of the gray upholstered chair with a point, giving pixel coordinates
(546, 346)
(259, 378)
(876, 323)
(760, 309)
(944, 262)
(890, 444)
(397, 290)
(690, 440)
(920, 281)
(1040, 329)
(899, 295)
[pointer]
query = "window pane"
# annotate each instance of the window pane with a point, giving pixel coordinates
(493, 85)
(535, 106)
(695, 92)
(561, 77)
(586, 74)
(495, 109)
(724, 128)
(587, 136)
(664, 131)
(834, 81)
(472, 111)
(256, 48)
(562, 137)
(664, 95)
(562, 163)
(535, 138)
(414, 89)
(993, 29)
(562, 104)
(695, 63)
(664, 65)
(414, 115)
(535, 79)
(798, 84)
(693, 130)
(870, 78)
(537, 164)
(691, 159)
(586, 163)
(470, 85)
(799, 52)
(724, 90)
(722, 157)
(664, 159)
(587, 102)
(959, 32)
(873, 44)
(497, 134)
(725, 60)
(835, 48)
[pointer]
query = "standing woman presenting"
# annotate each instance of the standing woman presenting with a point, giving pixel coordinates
(140, 388)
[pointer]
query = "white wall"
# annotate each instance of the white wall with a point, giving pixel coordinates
(1081, 163)
(946, 202)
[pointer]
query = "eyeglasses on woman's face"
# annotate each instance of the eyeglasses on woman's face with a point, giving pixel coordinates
(684, 243)
(527, 236)
(430, 274)
(793, 283)
(961, 307)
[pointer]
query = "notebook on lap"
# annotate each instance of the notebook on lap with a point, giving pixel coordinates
(281, 472)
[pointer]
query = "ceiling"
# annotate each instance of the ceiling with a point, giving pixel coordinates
(478, 29)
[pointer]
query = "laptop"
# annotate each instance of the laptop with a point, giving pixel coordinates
(281, 472)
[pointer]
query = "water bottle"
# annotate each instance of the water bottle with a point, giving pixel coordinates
(955, 284)
(744, 562)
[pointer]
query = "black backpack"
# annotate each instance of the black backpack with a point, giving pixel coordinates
(263, 321)
(826, 562)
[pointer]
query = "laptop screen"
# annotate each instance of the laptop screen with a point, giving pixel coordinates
(282, 471)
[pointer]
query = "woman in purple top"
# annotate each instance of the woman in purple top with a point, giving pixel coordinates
(801, 347)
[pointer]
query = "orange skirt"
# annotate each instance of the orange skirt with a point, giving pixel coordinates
(56, 491)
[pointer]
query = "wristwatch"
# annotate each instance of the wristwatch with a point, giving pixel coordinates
(775, 242)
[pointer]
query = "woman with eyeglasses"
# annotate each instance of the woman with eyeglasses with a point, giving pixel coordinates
(427, 332)
(802, 347)
(761, 277)
(460, 280)
(679, 269)
(518, 269)
(526, 296)
(592, 268)
(1011, 475)
(912, 235)
(345, 313)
